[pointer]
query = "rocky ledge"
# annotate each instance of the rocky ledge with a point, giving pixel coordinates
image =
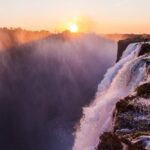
(122, 44)
(131, 123)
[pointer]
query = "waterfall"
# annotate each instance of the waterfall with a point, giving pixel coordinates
(118, 82)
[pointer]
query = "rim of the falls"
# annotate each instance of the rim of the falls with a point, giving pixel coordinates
(131, 52)
(118, 82)
(130, 48)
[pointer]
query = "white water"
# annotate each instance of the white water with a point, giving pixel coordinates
(118, 82)
(130, 53)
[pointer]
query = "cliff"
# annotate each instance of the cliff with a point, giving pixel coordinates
(131, 122)
(131, 117)
(122, 44)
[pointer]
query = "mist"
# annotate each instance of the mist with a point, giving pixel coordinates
(16, 36)
(45, 84)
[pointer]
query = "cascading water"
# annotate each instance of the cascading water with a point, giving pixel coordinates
(118, 82)
(130, 53)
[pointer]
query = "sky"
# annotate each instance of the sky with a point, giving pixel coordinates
(101, 16)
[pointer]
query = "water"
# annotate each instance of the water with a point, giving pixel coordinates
(118, 82)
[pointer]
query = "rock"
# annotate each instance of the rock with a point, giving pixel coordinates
(122, 45)
(110, 141)
(131, 123)
(145, 49)
(144, 90)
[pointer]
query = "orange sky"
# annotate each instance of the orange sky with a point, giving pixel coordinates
(101, 16)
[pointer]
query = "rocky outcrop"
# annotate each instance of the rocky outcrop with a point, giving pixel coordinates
(131, 117)
(145, 49)
(122, 44)
(131, 123)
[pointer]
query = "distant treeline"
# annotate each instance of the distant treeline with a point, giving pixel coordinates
(10, 37)
(118, 37)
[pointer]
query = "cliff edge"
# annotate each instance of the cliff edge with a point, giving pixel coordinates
(131, 117)
(123, 44)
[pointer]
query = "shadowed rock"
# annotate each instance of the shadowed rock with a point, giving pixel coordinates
(145, 49)
(131, 123)
(122, 45)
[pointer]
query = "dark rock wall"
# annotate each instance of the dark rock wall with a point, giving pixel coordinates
(122, 44)
(130, 123)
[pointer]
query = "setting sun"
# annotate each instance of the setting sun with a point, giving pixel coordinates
(73, 27)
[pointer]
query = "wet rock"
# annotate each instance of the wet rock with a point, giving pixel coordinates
(145, 49)
(110, 141)
(131, 123)
(122, 45)
(144, 90)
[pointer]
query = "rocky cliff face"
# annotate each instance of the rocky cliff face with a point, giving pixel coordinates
(131, 117)
(122, 44)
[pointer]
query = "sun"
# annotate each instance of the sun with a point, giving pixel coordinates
(73, 27)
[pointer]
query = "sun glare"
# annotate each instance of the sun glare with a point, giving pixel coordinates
(73, 27)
